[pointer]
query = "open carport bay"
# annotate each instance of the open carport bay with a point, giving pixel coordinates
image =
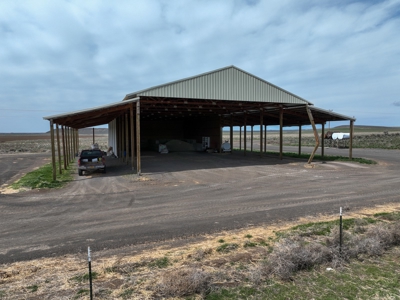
(181, 195)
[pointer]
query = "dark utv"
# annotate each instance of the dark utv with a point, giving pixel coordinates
(91, 160)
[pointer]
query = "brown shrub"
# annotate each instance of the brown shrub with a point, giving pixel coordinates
(200, 253)
(182, 282)
(290, 256)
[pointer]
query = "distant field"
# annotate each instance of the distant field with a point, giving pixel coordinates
(364, 137)
(343, 128)
(35, 143)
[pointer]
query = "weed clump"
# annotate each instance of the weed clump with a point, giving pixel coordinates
(290, 256)
(200, 253)
(182, 282)
(227, 247)
(162, 262)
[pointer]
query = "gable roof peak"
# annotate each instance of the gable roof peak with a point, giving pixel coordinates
(227, 83)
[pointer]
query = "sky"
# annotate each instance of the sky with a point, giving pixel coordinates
(62, 56)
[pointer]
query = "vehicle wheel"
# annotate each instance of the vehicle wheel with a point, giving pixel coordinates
(104, 170)
(80, 172)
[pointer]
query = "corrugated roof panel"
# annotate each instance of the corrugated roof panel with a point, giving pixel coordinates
(228, 83)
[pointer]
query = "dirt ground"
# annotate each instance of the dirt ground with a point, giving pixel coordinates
(183, 202)
(181, 195)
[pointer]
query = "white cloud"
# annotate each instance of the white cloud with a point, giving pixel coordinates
(62, 56)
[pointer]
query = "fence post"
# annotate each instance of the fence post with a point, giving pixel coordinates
(340, 232)
(90, 274)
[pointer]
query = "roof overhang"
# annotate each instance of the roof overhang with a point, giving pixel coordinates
(230, 112)
(90, 117)
(234, 112)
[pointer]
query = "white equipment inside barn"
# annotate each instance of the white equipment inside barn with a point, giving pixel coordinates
(226, 147)
(205, 142)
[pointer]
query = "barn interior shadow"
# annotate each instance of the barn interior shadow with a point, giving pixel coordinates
(153, 162)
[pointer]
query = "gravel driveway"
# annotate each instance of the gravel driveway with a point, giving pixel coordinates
(181, 195)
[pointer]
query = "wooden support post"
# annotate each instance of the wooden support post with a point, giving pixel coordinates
(77, 141)
(251, 138)
(127, 138)
(93, 135)
(220, 136)
(118, 133)
(67, 145)
(53, 154)
(310, 116)
(116, 150)
(138, 163)
(71, 150)
(116, 147)
(280, 133)
(245, 134)
(351, 139)
(299, 140)
(323, 140)
(132, 137)
(265, 139)
(240, 137)
(58, 149)
(231, 134)
(123, 138)
(73, 143)
(64, 153)
(261, 132)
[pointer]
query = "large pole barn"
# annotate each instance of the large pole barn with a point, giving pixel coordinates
(192, 108)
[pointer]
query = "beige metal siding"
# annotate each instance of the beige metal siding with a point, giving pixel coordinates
(112, 135)
(226, 84)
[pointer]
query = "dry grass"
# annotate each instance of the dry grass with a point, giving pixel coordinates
(198, 268)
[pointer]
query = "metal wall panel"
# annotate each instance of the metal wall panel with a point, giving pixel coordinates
(112, 135)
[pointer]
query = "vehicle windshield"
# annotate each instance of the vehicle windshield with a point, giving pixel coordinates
(91, 153)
